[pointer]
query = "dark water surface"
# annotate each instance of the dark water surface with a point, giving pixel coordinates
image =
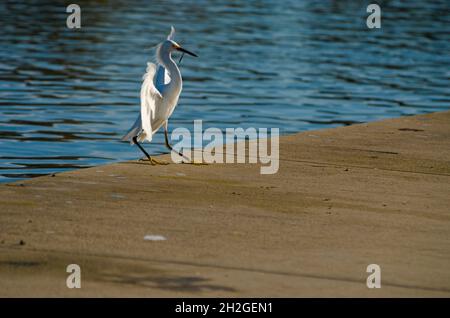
(67, 96)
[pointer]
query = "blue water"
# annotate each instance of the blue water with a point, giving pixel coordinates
(67, 96)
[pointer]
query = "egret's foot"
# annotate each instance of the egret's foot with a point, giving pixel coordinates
(188, 161)
(154, 162)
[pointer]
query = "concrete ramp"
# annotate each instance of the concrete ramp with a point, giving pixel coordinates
(343, 198)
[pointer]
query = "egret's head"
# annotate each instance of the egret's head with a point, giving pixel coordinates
(171, 46)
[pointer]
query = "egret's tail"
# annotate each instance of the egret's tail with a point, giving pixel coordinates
(135, 131)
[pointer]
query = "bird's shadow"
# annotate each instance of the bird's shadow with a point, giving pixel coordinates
(172, 283)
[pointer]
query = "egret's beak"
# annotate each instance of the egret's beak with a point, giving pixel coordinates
(186, 51)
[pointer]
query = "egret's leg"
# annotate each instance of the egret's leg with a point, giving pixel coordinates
(152, 161)
(166, 137)
(188, 161)
(141, 148)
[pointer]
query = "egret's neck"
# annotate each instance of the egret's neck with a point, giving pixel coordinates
(174, 71)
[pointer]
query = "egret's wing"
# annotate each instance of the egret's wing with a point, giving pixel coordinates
(149, 97)
(171, 34)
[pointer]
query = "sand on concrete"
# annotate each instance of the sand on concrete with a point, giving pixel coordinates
(343, 198)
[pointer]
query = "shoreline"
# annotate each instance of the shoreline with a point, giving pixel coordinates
(165, 153)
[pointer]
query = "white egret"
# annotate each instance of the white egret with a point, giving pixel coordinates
(161, 88)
